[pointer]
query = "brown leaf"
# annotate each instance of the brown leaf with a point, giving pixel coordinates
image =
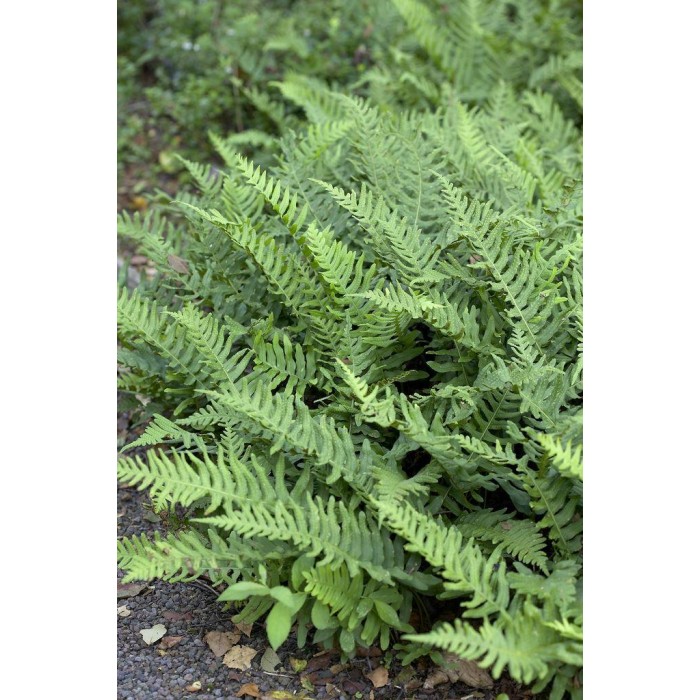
(337, 668)
(239, 657)
(129, 590)
(319, 661)
(194, 687)
(248, 689)
(469, 672)
(139, 203)
(178, 264)
(379, 677)
(123, 611)
(170, 642)
(174, 616)
(283, 695)
(244, 628)
(221, 642)
(437, 677)
(413, 684)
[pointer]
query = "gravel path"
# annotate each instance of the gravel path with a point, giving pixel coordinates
(189, 668)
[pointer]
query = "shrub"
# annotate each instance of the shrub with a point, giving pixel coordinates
(362, 368)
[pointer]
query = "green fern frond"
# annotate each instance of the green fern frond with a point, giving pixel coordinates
(566, 458)
(315, 530)
(469, 574)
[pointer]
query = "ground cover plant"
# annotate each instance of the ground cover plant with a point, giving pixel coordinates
(361, 365)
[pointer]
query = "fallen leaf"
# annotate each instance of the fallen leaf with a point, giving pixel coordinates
(194, 687)
(221, 642)
(151, 517)
(282, 695)
(174, 616)
(306, 683)
(337, 668)
(270, 660)
(297, 665)
(437, 677)
(129, 590)
(319, 661)
(152, 635)
(178, 264)
(244, 628)
(507, 525)
(139, 260)
(413, 684)
(469, 672)
(139, 203)
(332, 691)
(170, 642)
(249, 689)
(239, 657)
(123, 611)
(379, 677)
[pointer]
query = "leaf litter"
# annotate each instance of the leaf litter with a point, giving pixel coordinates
(153, 634)
(239, 657)
(221, 642)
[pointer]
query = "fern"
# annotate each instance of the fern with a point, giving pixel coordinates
(360, 361)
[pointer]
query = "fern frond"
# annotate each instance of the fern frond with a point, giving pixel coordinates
(566, 458)
(520, 538)
(461, 562)
(315, 530)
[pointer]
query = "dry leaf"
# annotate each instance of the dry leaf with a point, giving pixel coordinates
(244, 628)
(469, 672)
(139, 203)
(239, 657)
(335, 669)
(194, 687)
(436, 678)
(170, 642)
(123, 611)
(270, 660)
(129, 590)
(152, 635)
(282, 695)
(221, 642)
(178, 264)
(507, 525)
(297, 665)
(174, 616)
(249, 689)
(379, 677)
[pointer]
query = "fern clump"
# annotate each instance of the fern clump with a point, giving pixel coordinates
(363, 369)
